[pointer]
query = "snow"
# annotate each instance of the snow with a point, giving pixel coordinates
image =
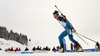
(34, 18)
(4, 44)
(57, 54)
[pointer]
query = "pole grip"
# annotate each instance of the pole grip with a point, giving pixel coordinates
(55, 6)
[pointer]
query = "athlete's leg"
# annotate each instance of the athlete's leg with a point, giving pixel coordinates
(70, 35)
(62, 35)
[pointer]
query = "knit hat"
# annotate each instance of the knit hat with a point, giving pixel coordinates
(56, 12)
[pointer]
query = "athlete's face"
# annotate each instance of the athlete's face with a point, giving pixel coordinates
(55, 16)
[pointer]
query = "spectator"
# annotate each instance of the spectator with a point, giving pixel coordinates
(8, 49)
(34, 49)
(26, 49)
(19, 49)
(11, 49)
(54, 49)
(38, 48)
(97, 45)
(49, 49)
(46, 48)
(16, 49)
(58, 48)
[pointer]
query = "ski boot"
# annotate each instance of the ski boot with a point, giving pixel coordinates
(78, 48)
(62, 49)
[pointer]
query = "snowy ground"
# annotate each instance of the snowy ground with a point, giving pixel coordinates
(34, 18)
(53, 54)
(8, 43)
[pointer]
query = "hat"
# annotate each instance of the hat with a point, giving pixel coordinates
(56, 12)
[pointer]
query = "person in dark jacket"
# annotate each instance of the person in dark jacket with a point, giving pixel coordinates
(38, 48)
(97, 45)
(46, 47)
(54, 49)
(34, 49)
(6, 50)
(26, 49)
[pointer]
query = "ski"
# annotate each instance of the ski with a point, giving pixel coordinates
(84, 50)
(27, 52)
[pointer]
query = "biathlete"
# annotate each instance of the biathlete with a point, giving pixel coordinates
(69, 29)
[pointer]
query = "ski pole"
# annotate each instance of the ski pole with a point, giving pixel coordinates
(86, 37)
(81, 38)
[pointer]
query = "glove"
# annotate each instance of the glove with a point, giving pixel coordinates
(73, 30)
(63, 15)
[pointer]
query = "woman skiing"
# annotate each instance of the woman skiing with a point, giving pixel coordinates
(68, 30)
